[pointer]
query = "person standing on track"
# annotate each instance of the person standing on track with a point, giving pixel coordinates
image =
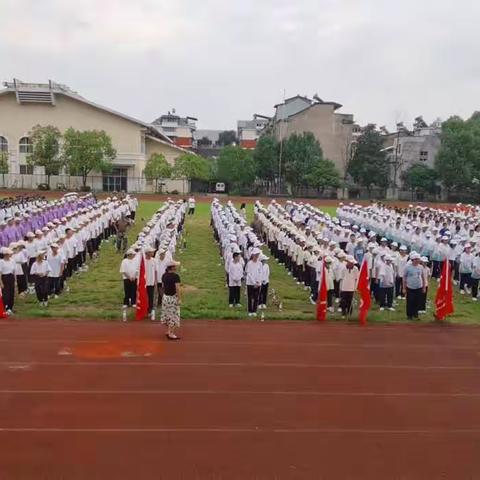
(170, 315)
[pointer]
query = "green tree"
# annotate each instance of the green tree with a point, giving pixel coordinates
(236, 166)
(204, 142)
(227, 137)
(46, 150)
(301, 152)
(191, 167)
(4, 166)
(84, 151)
(420, 178)
(324, 174)
(458, 161)
(157, 168)
(368, 166)
(266, 157)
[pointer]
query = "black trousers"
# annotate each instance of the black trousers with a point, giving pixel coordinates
(465, 280)
(160, 294)
(474, 283)
(151, 296)
(22, 285)
(346, 302)
(386, 297)
(253, 294)
(330, 295)
(437, 269)
(414, 302)
(263, 294)
(399, 287)
(8, 291)
(41, 288)
(191, 210)
(130, 292)
(54, 285)
(233, 295)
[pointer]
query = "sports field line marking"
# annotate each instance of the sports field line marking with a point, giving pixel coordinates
(244, 365)
(272, 344)
(245, 430)
(303, 393)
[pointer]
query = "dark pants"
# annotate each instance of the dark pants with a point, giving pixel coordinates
(233, 295)
(253, 294)
(414, 302)
(22, 283)
(130, 292)
(346, 302)
(160, 294)
(465, 280)
(263, 294)
(151, 296)
(330, 295)
(191, 211)
(41, 288)
(399, 287)
(474, 284)
(423, 304)
(336, 288)
(54, 285)
(437, 269)
(8, 291)
(386, 297)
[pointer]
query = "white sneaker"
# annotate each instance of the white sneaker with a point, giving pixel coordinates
(462, 292)
(399, 297)
(55, 296)
(312, 301)
(239, 305)
(9, 312)
(254, 314)
(298, 283)
(382, 309)
(337, 300)
(231, 305)
(339, 310)
(474, 299)
(249, 314)
(391, 309)
(306, 288)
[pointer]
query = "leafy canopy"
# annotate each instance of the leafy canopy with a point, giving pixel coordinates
(46, 149)
(192, 167)
(236, 166)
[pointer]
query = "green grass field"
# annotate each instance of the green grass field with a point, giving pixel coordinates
(98, 293)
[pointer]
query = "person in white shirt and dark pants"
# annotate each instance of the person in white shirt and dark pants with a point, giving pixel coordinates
(348, 285)
(129, 271)
(40, 270)
(386, 277)
(7, 283)
(265, 282)
(235, 276)
(253, 272)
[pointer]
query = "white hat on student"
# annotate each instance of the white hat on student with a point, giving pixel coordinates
(350, 259)
(54, 245)
(403, 248)
(256, 251)
(130, 251)
(414, 256)
(173, 263)
(6, 251)
(149, 250)
(263, 258)
(38, 232)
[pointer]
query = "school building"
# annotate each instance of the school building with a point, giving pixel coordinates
(25, 105)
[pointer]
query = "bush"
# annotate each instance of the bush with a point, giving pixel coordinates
(86, 188)
(174, 192)
(43, 186)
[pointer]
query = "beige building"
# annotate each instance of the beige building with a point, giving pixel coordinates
(333, 130)
(24, 105)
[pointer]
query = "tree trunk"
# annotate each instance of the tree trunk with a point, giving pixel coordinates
(48, 180)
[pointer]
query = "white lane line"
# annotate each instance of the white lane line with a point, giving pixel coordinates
(268, 344)
(247, 430)
(303, 393)
(247, 365)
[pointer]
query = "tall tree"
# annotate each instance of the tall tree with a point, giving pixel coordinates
(191, 167)
(301, 152)
(88, 150)
(236, 166)
(157, 168)
(369, 166)
(420, 178)
(46, 150)
(266, 157)
(227, 137)
(323, 175)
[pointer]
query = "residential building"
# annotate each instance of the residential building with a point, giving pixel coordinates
(181, 130)
(249, 131)
(25, 105)
(332, 129)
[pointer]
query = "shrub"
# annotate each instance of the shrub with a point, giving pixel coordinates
(43, 186)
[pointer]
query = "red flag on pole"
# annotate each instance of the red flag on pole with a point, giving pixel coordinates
(3, 313)
(322, 296)
(444, 297)
(142, 297)
(364, 291)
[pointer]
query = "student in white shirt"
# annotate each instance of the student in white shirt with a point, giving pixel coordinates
(150, 276)
(265, 282)
(386, 277)
(129, 271)
(40, 270)
(348, 285)
(56, 262)
(191, 206)
(253, 272)
(475, 276)
(235, 276)
(21, 260)
(7, 282)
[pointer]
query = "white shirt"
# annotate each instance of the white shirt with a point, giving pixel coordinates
(55, 262)
(235, 274)
(150, 270)
(254, 272)
(40, 268)
(349, 279)
(7, 266)
(129, 268)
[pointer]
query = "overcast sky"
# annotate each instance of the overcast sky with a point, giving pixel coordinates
(223, 60)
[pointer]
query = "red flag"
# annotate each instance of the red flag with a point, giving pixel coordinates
(364, 291)
(322, 297)
(142, 297)
(444, 297)
(3, 313)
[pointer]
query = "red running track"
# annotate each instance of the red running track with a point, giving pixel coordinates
(238, 400)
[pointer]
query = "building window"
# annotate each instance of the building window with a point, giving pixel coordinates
(26, 169)
(142, 144)
(423, 156)
(3, 144)
(24, 145)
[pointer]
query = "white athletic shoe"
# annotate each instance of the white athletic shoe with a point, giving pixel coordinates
(231, 305)
(462, 292)
(474, 299)
(391, 309)
(55, 296)
(9, 312)
(254, 314)
(312, 301)
(399, 297)
(382, 309)
(331, 309)
(239, 305)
